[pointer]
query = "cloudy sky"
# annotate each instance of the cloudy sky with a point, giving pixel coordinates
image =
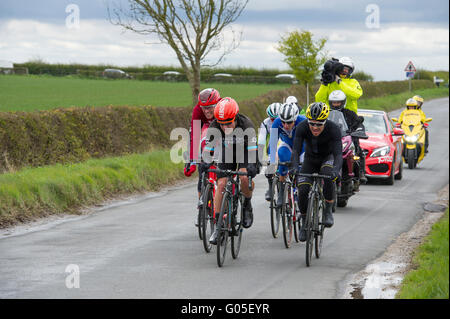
(405, 30)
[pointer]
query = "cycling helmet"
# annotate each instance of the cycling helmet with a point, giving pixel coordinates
(226, 110)
(291, 99)
(346, 61)
(412, 103)
(208, 97)
(272, 110)
(288, 112)
(317, 111)
(419, 100)
(337, 96)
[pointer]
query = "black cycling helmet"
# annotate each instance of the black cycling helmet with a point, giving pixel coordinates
(317, 111)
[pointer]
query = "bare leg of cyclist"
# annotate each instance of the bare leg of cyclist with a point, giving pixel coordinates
(248, 210)
(221, 182)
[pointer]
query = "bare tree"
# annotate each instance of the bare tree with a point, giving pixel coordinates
(192, 28)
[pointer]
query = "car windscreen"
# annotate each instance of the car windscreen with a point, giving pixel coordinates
(374, 123)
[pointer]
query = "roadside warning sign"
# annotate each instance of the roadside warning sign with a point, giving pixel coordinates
(410, 67)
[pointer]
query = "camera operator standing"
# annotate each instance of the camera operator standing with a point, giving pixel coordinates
(336, 75)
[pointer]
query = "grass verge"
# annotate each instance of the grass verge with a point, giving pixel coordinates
(395, 101)
(430, 280)
(37, 192)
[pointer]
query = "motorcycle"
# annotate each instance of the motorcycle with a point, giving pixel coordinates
(349, 183)
(414, 137)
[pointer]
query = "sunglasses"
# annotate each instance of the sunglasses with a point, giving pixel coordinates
(226, 123)
(317, 124)
(283, 122)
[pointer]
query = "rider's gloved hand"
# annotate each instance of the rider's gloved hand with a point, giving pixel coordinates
(293, 171)
(252, 170)
(271, 169)
(335, 176)
(203, 167)
(189, 169)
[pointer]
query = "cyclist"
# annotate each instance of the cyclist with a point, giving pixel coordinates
(420, 100)
(202, 117)
(264, 135)
(293, 99)
(283, 129)
(232, 133)
(323, 154)
(337, 101)
(345, 83)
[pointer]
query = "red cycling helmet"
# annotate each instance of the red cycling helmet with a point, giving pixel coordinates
(226, 110)
(208, 97)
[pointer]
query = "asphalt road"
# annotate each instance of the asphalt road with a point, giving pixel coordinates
(149, 248)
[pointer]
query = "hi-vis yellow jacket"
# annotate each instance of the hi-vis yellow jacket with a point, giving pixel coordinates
(422, 115)
(350, 87)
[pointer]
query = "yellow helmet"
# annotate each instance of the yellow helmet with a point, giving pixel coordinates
(419, 100)
(317, 111)
(412, 102)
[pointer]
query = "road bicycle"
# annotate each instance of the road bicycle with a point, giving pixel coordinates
(231, 215)
(290, 213)
(314, 215)
(275, 215)
(206, 215)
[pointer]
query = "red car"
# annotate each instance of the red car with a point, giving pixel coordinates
(384, 147)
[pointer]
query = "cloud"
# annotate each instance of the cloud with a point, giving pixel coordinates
(409, 30)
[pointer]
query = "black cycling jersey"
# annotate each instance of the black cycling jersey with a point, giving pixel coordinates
(320, 147)
(242, 143)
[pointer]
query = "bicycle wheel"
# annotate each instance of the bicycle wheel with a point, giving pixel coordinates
(309, 229)
(222, 237)
(296, 220)
(237, 229)
(286, 217)
(274, 212)
(199, 222)
(207, 217)
(320, 228)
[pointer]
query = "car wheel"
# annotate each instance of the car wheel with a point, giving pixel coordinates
(390, 180)
(399, 175)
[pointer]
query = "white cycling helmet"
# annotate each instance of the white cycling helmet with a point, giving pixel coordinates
(291, 99)
(272, 110)
(288, 112)
(346, 61)
(337, 96)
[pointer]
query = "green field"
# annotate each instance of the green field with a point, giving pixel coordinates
(30, 93)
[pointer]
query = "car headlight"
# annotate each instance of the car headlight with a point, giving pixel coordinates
(412, 139)
(381, 151)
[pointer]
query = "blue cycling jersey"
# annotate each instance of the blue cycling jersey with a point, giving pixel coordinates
(277, 132)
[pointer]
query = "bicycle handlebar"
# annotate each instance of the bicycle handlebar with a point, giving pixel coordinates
(314, 175)
(228, 172)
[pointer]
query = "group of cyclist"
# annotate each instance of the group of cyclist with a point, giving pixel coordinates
(301, 139)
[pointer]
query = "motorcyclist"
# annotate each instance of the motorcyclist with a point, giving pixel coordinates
(343, 82)
(243, 148)
(323, 154)
(337, 101)
(264, 136)
(413, 104)
(420, 101)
